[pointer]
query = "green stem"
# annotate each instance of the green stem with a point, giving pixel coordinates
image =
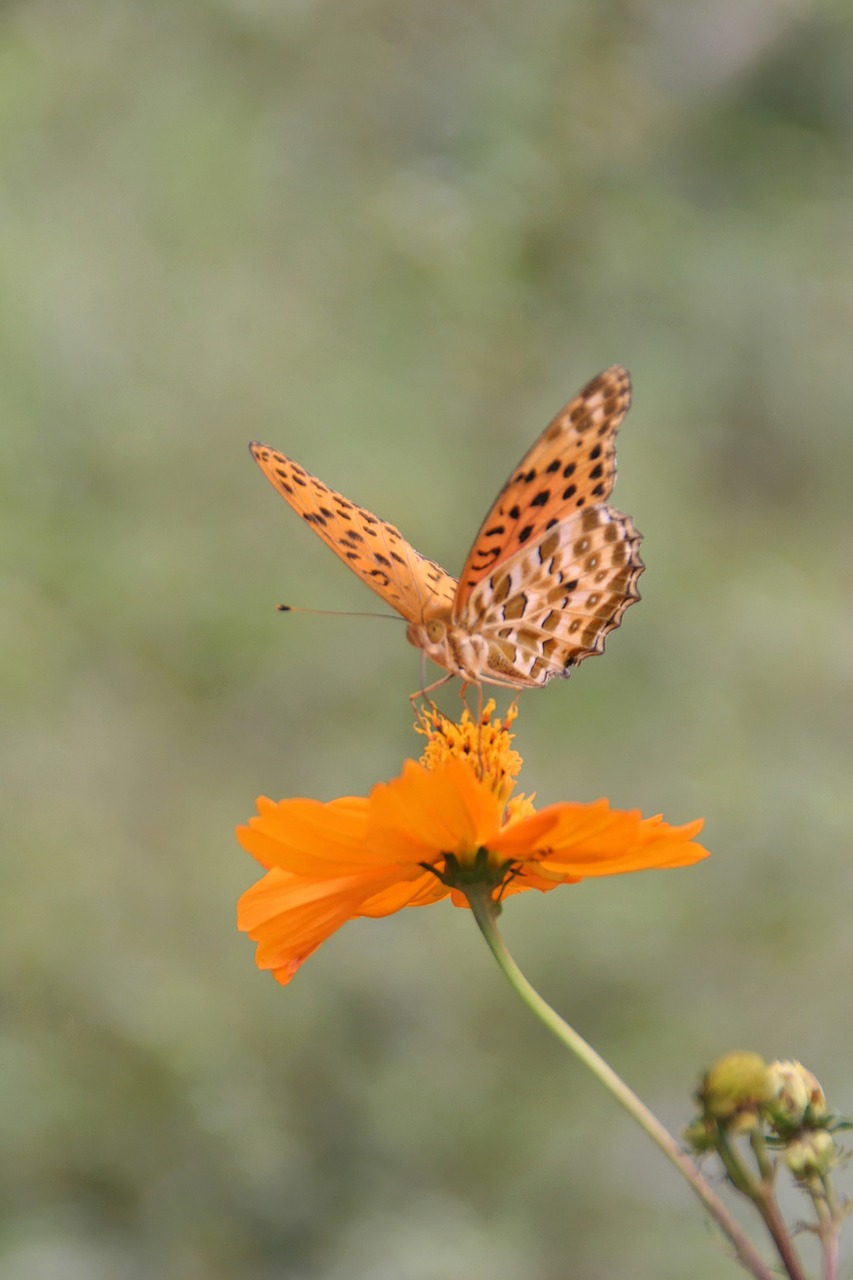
(763, 1196)
(737, 1173)
(822, 1194)
(484, 912)
(765, 1203)
(759, 1148)
(837, 1210)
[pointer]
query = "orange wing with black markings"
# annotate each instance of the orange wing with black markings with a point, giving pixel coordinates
(372, 548)
(572, 465)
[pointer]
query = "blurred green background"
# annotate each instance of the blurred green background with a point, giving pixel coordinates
(392, 238)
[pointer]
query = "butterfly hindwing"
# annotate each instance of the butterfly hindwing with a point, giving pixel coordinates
(372, 548)
(554, 603)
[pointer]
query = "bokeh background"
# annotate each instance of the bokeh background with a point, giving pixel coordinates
(392, 238)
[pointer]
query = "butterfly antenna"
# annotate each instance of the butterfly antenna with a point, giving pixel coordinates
(338, 613)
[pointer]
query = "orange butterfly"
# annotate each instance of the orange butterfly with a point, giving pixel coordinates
(551, 571)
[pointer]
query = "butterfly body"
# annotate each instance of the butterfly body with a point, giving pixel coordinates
(552, 569)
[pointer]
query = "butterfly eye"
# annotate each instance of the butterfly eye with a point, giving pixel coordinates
(435, 630)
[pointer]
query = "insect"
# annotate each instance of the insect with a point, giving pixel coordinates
(552, 569)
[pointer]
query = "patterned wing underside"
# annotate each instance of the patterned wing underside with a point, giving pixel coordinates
(373, 549)
(571, 466)
(554, 603)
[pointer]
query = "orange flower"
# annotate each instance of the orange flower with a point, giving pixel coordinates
(445, 823)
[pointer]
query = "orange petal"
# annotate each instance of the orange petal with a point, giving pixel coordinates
(309, 837)
(425, 813)
(420, 892)
(594, 840)
(525, 838)
(289, 916)
(528, 878)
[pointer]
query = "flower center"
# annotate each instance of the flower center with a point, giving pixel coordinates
(484, 744)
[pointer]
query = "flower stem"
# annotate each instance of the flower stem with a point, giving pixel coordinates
(765, 1203)
(822, 1195)
(763, 1196)
(484, 912)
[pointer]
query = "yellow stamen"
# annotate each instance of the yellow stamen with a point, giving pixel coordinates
(484, 745)
(520, 806)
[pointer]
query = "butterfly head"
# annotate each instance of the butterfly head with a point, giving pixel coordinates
(448, 646)
(436, 631)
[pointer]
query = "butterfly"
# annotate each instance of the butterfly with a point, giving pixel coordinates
(552, 569)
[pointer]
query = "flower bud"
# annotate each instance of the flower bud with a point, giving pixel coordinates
(796, 1097)
(811, 1154)
(734, 1089)
(701, 1135)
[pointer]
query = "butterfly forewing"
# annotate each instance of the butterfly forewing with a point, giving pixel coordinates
(372, 548)
(571, 466)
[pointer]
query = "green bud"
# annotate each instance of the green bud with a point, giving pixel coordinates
(701, 1136)
(811, 1154)
(734, 1089)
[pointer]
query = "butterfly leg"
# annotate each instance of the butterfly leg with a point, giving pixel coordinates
(423, 692)
(480, 729)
